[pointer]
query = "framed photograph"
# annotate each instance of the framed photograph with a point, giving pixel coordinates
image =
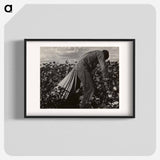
(79, 78)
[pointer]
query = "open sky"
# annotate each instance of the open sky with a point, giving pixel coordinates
(72, 54)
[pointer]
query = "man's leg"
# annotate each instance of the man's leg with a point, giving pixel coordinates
(88, 86)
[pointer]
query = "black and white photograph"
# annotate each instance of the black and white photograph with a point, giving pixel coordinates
(79, 78)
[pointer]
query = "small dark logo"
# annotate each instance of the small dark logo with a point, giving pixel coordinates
(8, 8)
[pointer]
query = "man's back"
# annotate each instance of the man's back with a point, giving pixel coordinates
(90, 59)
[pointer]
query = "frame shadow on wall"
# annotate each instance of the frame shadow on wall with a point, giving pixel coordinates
(15, 89)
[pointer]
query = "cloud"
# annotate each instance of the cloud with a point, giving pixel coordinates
(60, 54)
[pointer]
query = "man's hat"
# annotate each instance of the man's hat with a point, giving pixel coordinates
(106, 54)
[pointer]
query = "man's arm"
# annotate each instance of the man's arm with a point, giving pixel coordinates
(101, 61)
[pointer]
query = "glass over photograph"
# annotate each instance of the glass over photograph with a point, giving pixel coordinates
(79, 77)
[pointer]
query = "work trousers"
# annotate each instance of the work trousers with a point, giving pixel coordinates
(87, 82)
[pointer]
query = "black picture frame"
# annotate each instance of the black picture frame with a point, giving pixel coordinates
(25, 77)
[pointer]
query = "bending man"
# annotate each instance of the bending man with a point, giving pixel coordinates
(84, 67)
